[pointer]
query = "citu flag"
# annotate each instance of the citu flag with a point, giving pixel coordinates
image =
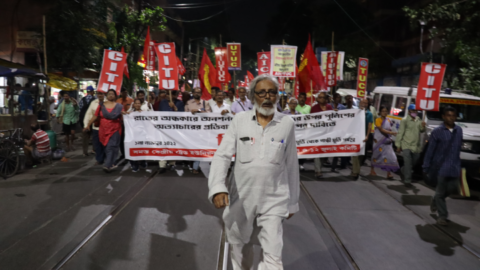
(309, 74)
(207, 76)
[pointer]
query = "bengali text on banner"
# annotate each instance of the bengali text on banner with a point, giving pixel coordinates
(283, 60)
(183, 136)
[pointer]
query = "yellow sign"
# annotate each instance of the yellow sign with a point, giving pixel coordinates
(460, 101)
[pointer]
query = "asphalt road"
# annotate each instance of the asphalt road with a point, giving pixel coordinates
(73, 215)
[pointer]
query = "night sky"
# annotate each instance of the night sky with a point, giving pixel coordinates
(242, 21)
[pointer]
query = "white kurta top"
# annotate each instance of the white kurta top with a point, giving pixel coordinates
(265, 177)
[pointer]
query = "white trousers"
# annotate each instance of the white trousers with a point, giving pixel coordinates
(242, 259)
(270, 236)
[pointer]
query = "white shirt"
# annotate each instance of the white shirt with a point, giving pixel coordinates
(145, 107)
(216, 109)
(227, 100)
(90, 113)
(265, 178)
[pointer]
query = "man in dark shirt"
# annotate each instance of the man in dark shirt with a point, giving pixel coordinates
(176, 105)
(166, 106)
(443, 157)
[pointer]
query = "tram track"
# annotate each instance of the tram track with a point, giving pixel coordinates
(118, 206)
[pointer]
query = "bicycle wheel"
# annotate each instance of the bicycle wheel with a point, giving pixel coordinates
(9, 159)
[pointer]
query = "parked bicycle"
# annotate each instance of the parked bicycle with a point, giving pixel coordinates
(11, 143)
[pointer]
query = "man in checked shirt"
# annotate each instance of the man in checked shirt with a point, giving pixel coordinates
(263, 188)
(443, 157)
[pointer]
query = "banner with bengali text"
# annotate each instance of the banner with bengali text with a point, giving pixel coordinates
(183, 136)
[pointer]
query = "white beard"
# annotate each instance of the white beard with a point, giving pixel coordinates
(264, 111)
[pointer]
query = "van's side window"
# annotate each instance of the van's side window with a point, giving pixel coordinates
(387, 101)
(400, 107)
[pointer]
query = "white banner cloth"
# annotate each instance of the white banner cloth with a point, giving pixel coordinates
(183, 136)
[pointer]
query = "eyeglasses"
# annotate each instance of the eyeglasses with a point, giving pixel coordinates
(263, 93)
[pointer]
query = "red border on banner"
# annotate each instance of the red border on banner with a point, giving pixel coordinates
(327, 149)
(209, 153)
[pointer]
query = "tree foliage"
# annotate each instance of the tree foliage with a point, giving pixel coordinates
(78, 32)
(457, 25)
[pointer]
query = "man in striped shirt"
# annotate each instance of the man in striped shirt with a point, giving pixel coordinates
(39, 145)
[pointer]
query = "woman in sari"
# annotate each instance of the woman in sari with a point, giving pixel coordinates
(110, 114)
(383, 156)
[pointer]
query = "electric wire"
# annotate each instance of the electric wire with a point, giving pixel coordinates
(199, 20)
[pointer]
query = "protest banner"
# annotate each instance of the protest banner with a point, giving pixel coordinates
(340, 62)
(362, 77)
(283, 60)
(263, 63)
(234, 54)
(183, 136)
(222, 73)
(167, 66)
(429, 86)
(113, 66)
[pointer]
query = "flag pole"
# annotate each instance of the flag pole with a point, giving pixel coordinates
(311, 93)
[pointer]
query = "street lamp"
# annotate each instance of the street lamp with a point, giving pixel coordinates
(422, 25)
(432, 31)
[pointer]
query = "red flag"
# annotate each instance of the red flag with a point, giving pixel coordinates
(125, 70)
(207, 75)
(429, 86)
(297, 84)
(309, 70)
(362, 77)
(250, 76)
(263, 62)
(148, 53)
(181, 68)
(223, 76)
(167, 66)
(331, 72)
(111, 74)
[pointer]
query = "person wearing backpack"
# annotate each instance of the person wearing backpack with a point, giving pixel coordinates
(442, 162)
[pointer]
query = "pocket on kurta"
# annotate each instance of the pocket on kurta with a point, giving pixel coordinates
(245, 151)
(275, 152)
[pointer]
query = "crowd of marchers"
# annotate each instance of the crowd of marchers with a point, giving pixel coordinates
(100, 116)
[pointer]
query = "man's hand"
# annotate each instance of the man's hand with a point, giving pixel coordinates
(87, 129)
(221, 200)
(224, 112)
(366, 139)
(399, 149)
(424, 124)
(289, 216)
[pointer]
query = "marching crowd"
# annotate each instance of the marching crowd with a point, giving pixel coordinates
(276, 162)
(103, 126)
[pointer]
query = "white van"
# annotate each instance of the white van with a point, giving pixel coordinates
(345, 92)
(397, 100)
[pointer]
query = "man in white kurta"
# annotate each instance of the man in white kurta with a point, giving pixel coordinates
(263, 190)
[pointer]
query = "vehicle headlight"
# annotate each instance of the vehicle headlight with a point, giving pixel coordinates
(467, 146)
